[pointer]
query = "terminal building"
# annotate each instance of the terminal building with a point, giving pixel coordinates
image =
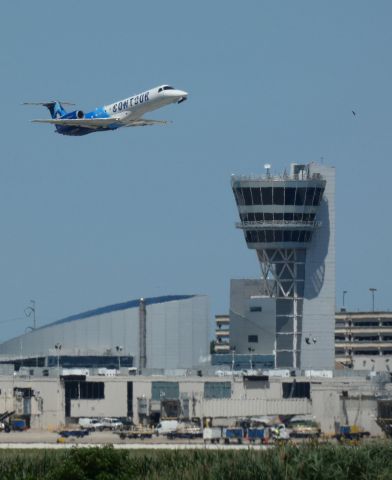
(159, 333)
(289, 220)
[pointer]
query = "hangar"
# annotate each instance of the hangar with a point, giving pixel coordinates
(168, 332)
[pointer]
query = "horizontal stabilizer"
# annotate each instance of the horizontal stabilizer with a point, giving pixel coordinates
(50, 102)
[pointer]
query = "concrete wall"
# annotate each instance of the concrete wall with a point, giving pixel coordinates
(47, 403)
(254, 407)
(113, 405)
(318, 320)
(372, 363)
(177, 333)
(342, 400)
(244, 294)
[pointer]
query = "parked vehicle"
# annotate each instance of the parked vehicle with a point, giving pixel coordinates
(92, 424)
(212, 434)
(74, 433)
(127, 423)
(4, 427)
(109, 423)
(139, 431)
(351, 432)
(166, 426)
(186, 430)
(304, 429)
(18, 424)
(257, 434)
(279, 432)
(231, 434)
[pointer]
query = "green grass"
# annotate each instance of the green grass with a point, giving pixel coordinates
(307, 462)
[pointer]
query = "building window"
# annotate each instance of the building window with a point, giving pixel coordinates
(247, 196)
(256, 196)
(266, 194)
(290, 196)
(92, 390)
(253, 338)
(278, 196)
(217, 390)
(300, 197)
(238, 196)
(318, 196)
(256, 308)
(309, 196)
(165, 390)
(296, 390)
(271, 236)
(365, 324)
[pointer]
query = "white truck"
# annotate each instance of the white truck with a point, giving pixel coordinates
(110, 423)
(165, 427)
(91, 424)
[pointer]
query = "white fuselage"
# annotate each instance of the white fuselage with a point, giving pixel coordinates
(136, 106)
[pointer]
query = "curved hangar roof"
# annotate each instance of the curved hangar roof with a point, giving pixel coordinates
(117, 307)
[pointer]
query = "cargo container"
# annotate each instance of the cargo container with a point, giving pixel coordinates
(212, 434)
(256, 434)
(232, 434)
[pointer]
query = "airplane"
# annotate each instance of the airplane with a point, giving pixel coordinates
(124, 113)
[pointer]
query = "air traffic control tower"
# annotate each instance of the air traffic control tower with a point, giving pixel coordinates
(290, 221)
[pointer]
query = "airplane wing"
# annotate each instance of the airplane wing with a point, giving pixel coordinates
(100, 122)
(142, 122)
(80, 122)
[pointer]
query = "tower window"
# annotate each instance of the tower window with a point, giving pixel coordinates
(253, 339)
(255, 308)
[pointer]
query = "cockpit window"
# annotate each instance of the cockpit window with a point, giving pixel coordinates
(165, 87)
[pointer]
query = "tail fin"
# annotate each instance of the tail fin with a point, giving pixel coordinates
(55, 108)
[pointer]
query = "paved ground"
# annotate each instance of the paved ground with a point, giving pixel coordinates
(44, 439)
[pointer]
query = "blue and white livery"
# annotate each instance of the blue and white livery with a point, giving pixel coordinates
(125, 113)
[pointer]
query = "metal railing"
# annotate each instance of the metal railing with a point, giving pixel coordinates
(277, 178)
(279, 223)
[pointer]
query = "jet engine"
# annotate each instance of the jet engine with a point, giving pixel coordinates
(74, 115)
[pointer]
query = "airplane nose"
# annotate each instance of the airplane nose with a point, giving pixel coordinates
(181, 95)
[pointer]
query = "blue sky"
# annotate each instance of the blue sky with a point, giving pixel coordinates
(109, 217)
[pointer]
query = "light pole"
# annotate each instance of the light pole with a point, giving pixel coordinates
(232, 358)
(119, 349)
(251, 350)
(372, 290)
(344, 294)
(30, 310)
(58, 347)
